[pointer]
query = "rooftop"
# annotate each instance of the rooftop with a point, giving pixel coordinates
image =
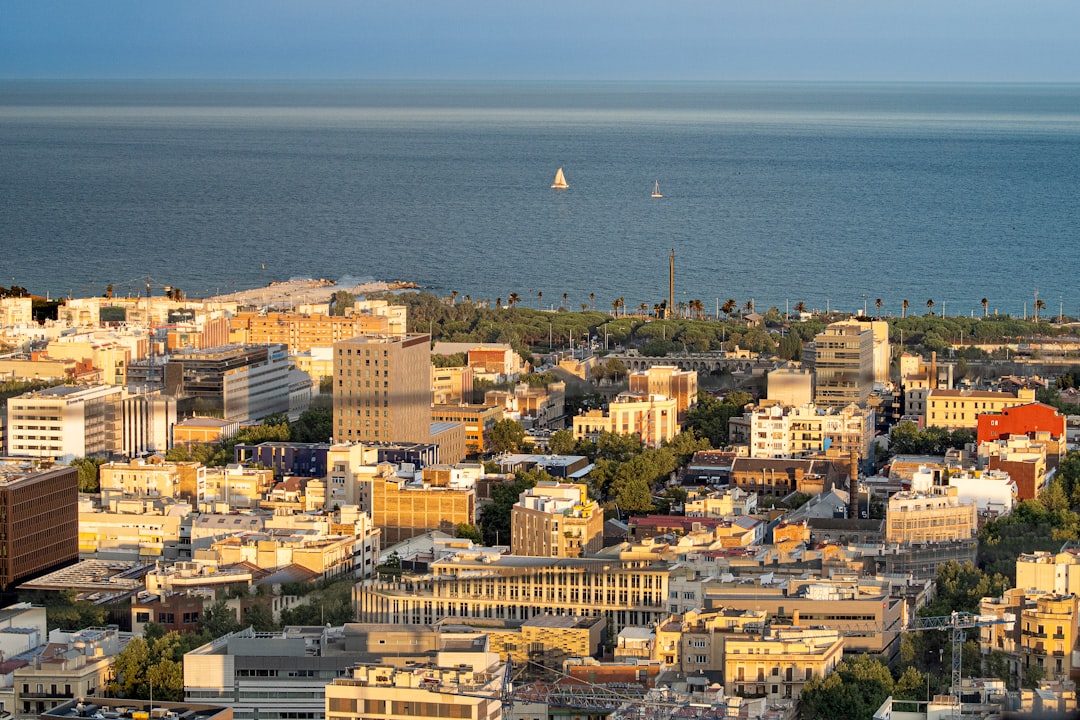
(115, 708)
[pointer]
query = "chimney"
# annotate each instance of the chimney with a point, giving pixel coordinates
(933, 370)
(853, 484)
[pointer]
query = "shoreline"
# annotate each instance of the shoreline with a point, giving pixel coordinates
(306, 291)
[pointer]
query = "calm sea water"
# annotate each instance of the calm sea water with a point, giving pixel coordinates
(831, 194)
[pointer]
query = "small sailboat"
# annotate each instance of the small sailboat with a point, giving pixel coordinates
(656, 190)
(560, 181)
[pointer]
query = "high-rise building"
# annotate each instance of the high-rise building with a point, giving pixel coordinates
(843, 356)
(39, 520)
(382, 389)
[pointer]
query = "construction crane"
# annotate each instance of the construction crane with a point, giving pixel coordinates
(956, 624)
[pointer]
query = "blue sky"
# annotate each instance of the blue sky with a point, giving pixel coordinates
(918, 40)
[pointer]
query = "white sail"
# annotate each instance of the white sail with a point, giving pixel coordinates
(656, 190)
(560, 181)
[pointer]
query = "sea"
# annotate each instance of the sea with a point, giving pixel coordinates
(831, 194)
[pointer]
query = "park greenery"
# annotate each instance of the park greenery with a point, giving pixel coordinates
(313, 425)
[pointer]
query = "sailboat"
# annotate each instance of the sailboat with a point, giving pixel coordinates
(560, 181)
(656, 190)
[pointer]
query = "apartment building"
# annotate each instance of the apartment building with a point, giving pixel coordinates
(791, 386)
(402, 508)
(511, 587)
(652, 418)
(791, 432)
(556, 520)
(382, 389)
(1025, 460)
(144, 529)
(39, 520)
(779, 663)
(541, 407)
(71, 665)
(669, 381)
(460, 685)
(960, 409)
(65, 422)
(301, 332)
(453, 385)
(929, 514)
(918, 378)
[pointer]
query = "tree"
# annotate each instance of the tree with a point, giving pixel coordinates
(341, 301)
(507, 436)
(313, 425)
(562, 442)
(903, 309)
(985, 303)
(89, 473)
(878, 303)
(1039, 306)
(709, 418)
(471, 532)
(800, 307)
(930, 306)
(513, 300)
(495, 516)
(539, 299)
(853, 691)
(729, 306)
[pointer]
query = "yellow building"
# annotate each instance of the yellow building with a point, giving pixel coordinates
(652, 418)
(452, 385)
(404, 508)
(145, 530)
(1048, 634)
(110, 358)
(1046, 572)
(150, 477)
(956, 409)
(237, 486)
(556, 520)
(779, 664)
(302, 332)
(477, 419)
(694, 641)
(930, 514)
(669, 381)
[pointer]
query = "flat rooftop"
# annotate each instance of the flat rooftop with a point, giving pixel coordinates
(93, 576)
(124, 709)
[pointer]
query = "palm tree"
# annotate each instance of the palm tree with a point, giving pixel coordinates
(565, 296)
(615, 307)
(729, 306)
(985, 303)
(1039, 305)
(800, 307)
(453, 297)
(878, 304)
(930, 306)
(592, 301)
(584, 306)
(468, 299)
(498, 303)
(622, 304)
(697, 308)
(539, 299)
(513, 300)
(643, 308)
(903, 309)
(749, 306)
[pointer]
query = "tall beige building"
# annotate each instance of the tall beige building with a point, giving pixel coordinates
(843, 364)
(669, 381)
(382, 389)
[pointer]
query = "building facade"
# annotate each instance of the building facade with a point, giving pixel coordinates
(556, 520)
(382, 389)
(39, 521)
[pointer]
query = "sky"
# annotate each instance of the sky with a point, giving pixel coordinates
(545, 40)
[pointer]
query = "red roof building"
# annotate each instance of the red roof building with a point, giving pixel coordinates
(1021, 420)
